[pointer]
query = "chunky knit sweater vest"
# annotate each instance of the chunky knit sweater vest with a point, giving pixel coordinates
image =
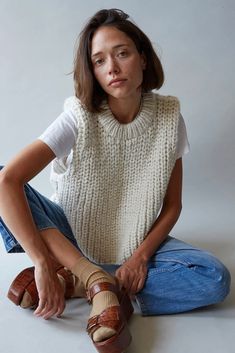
(112, 186)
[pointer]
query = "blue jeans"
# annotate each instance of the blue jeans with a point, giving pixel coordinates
(180, 277)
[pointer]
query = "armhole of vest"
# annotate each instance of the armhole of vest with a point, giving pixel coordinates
(177, 103)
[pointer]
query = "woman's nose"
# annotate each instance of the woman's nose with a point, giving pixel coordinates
(113, 67)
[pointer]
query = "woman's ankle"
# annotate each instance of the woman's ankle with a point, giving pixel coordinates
(90, 274)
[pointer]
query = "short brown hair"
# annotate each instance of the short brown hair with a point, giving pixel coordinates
(87, 88)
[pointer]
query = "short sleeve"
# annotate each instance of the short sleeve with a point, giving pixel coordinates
(183, 146)
(61, 135)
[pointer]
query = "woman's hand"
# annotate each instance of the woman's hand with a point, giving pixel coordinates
(132, 274)
(50, 292)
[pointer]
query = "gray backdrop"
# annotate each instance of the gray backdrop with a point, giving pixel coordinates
(195, 40)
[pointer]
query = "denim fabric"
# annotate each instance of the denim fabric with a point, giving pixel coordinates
(180, 277)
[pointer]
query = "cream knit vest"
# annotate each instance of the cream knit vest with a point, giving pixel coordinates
(112, 186)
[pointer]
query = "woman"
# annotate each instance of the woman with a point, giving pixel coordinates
(116, 154)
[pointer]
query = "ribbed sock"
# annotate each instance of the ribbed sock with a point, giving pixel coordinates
(90, 274)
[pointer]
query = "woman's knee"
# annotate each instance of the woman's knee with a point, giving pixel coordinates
(211, 277)
(183, 287)
(217, 280)
(221, 282)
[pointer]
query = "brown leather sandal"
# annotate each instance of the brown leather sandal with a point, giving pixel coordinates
(121, 293)
(25, 282)
(114, 317)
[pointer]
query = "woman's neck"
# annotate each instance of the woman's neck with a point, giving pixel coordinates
(125, 109)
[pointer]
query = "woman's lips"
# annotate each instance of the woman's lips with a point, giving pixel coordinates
(117, 83)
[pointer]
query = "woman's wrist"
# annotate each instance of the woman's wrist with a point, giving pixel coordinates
(38, 252)
(42, 261)
(140, 255)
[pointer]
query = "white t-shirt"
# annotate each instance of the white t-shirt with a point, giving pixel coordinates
(61, 135)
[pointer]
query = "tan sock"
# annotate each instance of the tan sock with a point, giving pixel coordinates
(26, 301)
(79, 291)
(90, 274)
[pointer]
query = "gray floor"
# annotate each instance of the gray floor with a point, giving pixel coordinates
(206, 330)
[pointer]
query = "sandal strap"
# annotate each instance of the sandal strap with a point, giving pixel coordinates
(111, 317)
(25, 281)
(69, 283)
(100, 287)
(18, 287)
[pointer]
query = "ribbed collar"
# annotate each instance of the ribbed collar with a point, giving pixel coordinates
(136, 127)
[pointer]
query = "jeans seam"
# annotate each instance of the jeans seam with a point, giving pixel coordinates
(46, 227)
(185, 263)
(163, 270)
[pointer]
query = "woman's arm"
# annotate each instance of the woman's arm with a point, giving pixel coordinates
(133, 272)
(170, 212)
(14, 208)
(16, 213)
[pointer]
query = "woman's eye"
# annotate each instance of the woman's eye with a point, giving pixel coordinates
(98, 62)
(123, 53)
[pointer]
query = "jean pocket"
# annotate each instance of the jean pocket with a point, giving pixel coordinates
(163, 266)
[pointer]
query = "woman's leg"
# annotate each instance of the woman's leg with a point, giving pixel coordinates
(182, 278)
(59, 239)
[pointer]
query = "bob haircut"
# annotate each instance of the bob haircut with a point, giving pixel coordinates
(87, 88)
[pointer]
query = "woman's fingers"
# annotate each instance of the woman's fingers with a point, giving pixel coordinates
(51, 296)
(49, 308)
(131, 280)
(60, 310)
(120, 276)
(49, 313)
(134, 285)
(125, 278)
(44, 311)
(41, 305)
(140, 284)
(137, 283)
(60, 307)
(43, 308)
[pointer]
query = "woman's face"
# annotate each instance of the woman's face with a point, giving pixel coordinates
(114, 57)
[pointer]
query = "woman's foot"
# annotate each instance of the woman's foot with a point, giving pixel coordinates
(102, 292)
(111, 323)
(101, 301)
(23, 289)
